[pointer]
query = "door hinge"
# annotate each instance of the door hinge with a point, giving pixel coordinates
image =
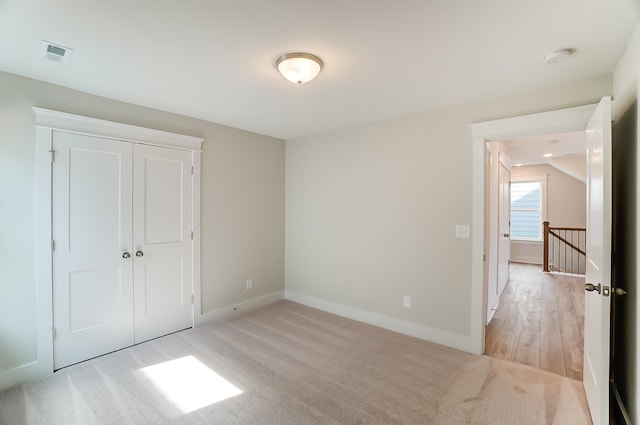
(53, 332)
(53, 155)
(192, 235)
(53, 245)
(192, 170)
(193, 299)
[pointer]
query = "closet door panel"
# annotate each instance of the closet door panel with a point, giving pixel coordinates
(162, 240)
(92, 228)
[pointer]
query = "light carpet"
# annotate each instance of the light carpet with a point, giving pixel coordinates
(291, 364)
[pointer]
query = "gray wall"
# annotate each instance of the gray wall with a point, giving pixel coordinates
(372, 210)
(242, 205)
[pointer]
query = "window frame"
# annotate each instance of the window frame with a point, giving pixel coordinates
(542, 179)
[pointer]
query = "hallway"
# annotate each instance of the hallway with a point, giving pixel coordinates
(539, 321)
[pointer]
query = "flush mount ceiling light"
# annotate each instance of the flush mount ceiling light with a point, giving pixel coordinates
(559, 55)
(299, 67)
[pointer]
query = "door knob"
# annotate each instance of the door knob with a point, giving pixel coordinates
(139, 254)
(126, 255)
(620, 292)
(591, 287)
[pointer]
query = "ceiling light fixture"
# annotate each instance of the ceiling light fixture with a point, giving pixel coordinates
(299, 67)
(548, 155)
(559, 55)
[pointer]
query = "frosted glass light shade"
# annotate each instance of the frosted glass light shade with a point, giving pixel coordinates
(299, 68)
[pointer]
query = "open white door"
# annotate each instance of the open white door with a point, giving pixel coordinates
(504, 219)
(598, 273)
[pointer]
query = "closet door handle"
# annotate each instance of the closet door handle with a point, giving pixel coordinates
(126, 255)
(139, 254)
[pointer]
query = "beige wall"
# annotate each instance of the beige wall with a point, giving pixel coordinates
(371, 213)
(242, 197)
(566, 196)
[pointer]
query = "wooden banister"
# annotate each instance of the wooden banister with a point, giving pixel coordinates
(575, 248)
(555, 232)
(545, 260)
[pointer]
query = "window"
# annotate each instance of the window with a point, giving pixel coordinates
(527, 208)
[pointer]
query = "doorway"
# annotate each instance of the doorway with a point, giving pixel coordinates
(536, 318)
(596, 119)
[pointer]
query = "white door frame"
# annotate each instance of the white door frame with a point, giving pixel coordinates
(46, 121)
(506, 164)
(558, 121)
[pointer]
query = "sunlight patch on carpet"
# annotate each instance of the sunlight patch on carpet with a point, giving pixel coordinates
(189, 384)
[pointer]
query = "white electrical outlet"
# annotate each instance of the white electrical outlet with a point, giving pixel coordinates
(463, 231)
(249, 284)
(406, 301)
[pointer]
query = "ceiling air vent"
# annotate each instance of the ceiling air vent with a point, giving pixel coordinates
(56, 52)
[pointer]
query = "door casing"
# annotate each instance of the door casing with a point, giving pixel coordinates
(558, 121)
(571, 119)
(46, 121)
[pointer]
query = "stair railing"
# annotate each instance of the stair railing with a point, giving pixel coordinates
(564, 249)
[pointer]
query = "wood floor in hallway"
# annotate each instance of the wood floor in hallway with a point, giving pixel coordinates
(539, 321)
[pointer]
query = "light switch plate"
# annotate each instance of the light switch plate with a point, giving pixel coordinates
(406, 301)
(463, 231)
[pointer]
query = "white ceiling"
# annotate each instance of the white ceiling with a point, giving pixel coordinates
(531, 150)
(213, 59)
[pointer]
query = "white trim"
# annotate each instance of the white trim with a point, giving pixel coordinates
(543, 179)
(46, 122)
(460, 342)
(525, 259)
(570, 119)
(195, 223)
(241, 307)
(96, 127)
(42, 365)
(527, 242)
(505, 161)
(23, 373)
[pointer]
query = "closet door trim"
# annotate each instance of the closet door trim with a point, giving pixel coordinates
(46, 122)
(63, 121)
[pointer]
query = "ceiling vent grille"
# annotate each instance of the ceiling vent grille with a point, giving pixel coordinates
(55, 52)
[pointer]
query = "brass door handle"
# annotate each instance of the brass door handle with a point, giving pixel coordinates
(620, 292)
(591, 287)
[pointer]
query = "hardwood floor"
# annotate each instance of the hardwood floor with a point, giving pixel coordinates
(539, 321)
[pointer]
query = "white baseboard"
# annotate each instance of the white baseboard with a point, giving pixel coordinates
(23, 373)
(490, 314)
(525, 259)
(241, 307)
(459, 342)
(37, 369)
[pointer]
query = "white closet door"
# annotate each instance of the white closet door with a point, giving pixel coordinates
(162, 241)
(92, 229)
